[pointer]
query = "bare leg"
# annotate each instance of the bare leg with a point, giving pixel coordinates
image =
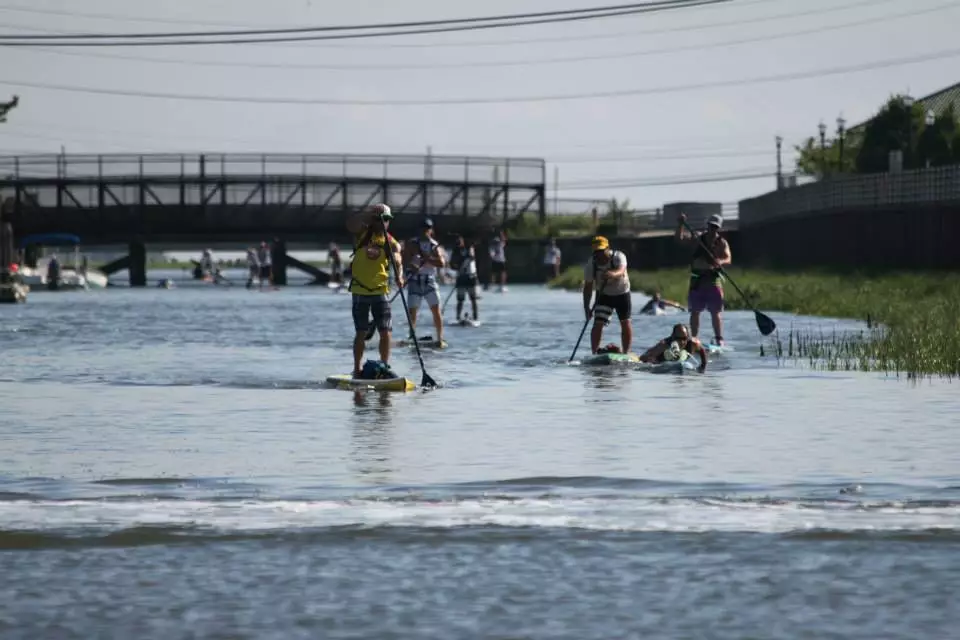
(595, 336)
(694, 323)
(437, 322)
(473, 303)
(384, 347)
(413, 318)
(717, 325)
(626, 335)
(358, 344)
(459, 307)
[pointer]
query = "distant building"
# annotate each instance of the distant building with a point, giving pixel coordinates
(937, 102)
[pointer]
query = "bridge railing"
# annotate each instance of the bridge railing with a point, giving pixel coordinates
(871, 191)
(528, 171)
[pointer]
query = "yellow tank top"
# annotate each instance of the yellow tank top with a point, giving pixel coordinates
(371, 266)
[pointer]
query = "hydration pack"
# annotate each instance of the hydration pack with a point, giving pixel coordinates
(376, 370)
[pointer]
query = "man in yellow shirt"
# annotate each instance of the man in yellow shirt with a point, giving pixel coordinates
(370, 278)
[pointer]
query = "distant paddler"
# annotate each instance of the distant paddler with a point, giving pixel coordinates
(658, 303)
(706, 289)
(669, 348)
(422, 256)
(608, 268)
(464, 260)
(370, 279)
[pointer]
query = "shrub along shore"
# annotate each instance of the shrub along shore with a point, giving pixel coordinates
(913, 319)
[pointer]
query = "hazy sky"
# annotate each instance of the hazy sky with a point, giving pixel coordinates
(652, 136)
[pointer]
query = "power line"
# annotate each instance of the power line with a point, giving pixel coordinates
(667, 181)
(249, 36)
(659, 158)
(799, 75)
(514, 63)
(608, 35)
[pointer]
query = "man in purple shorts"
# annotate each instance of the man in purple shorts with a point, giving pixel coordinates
(706, 289)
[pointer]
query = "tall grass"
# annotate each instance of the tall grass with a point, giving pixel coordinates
(912, 319)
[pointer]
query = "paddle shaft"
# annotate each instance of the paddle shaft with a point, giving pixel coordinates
(596, 296)
(427, 380)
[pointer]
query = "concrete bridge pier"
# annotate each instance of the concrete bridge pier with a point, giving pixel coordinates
(278, 256)
(137, 264)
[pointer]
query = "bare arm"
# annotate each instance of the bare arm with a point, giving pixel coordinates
(437, 258)
(587, 293)
(654, 352)
(703, 355)
(724, 257)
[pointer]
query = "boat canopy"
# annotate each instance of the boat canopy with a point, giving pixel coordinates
(51, 240)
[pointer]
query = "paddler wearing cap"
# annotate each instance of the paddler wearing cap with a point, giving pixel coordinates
(706, 289)
(370, 278)
(607, 271)
(422, 257)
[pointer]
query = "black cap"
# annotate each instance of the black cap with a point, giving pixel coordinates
(427, 223)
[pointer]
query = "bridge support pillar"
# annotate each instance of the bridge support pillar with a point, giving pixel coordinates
(138, 264)
(278, 255)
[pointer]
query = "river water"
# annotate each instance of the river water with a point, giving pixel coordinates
(173, 466)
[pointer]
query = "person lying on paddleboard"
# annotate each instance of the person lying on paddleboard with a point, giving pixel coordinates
(669, 348)
(608, 268)
(370, 279)
(657, 302)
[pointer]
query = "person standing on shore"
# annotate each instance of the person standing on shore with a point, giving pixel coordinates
(336, 268)
(498, 260)
(551, 261)
(606, 270)
(424, 257)
(376, 253)
(710, 253)
(464, 260)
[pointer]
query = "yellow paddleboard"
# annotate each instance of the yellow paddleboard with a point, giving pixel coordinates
(344, 381)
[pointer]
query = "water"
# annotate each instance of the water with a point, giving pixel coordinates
(173, 466)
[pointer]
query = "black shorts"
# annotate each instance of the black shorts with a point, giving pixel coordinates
(606, 305)
(498, 268)
(265, 272)
(364, 306)
(466, 285)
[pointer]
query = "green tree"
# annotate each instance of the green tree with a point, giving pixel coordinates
(935, 145)
(896, 127)
(7, 107)
(812, 160)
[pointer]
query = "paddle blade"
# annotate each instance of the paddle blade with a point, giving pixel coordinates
(428, 382)
(765, 323)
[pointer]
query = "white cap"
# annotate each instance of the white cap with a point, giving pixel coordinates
(716, 221)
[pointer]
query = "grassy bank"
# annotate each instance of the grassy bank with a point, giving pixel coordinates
(913, 319)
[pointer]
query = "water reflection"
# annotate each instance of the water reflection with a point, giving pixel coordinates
(371, 437)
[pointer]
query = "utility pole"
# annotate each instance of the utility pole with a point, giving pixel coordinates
(779, 163)
(556, 190)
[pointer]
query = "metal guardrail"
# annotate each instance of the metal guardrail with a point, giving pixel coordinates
(526, 171)
(871, 191)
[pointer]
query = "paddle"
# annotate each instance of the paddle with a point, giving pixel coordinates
(449, 295)
(596, 296)
(427, 380)
(765, 323)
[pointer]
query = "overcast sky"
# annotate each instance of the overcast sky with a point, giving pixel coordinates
(715, 130)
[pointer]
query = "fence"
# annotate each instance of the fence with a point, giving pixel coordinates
(872, 191)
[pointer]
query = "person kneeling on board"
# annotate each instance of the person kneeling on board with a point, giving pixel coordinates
(370, 279)
(464, 260)
(608, 269)
(669, 348)
(423, 257)
(658, 302)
